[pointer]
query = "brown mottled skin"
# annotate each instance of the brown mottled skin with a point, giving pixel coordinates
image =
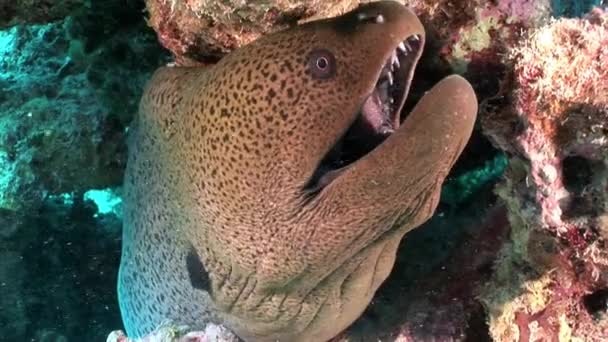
(217, 225)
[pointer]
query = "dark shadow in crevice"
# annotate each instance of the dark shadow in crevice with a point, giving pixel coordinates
(478, 329)
(596, 303)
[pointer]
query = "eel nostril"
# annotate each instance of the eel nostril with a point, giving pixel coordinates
(377, 18)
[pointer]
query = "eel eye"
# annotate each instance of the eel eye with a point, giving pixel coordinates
(322, 64)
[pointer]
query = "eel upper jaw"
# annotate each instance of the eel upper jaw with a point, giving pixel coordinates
(378, 116)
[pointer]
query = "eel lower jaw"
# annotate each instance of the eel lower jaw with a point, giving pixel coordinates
(378, 117)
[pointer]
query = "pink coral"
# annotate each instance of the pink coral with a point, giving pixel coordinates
(555, 124)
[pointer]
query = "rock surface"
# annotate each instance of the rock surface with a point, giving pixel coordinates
(551, 281)
(68, 92)
(68, 89)
(36, 12)
(202, 31)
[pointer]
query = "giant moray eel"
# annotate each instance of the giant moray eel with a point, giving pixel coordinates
(269, 192)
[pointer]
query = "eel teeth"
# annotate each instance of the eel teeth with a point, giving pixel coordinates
(390, 78)
(386, 131)
(405, 46)
(394, 61)
(401, 47)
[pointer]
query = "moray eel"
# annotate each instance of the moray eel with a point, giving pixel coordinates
(269, 192)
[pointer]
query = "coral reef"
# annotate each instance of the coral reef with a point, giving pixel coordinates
(202, 31)
(36, 12)
(58, 272)
(65, 107)
(551, 280)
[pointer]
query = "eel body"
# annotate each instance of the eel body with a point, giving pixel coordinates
(269, 192)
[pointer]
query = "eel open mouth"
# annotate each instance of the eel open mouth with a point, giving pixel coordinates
(378, 117)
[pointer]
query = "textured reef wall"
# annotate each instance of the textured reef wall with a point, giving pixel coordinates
(515, 255)
(551, 281)
(66, 101)
(70, 80)
(202, 31)
(36, 12)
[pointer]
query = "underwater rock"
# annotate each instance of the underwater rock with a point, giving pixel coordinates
(469, 30)
(552, 278)
(68, 90)
(202, 31)
(66, 105)
(58, 273)
(36, 12)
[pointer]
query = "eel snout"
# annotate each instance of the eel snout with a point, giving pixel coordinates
(425, 146)
(399, 36)
(397, 185)
(379, 115)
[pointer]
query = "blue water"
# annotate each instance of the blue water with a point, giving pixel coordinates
(573, 8)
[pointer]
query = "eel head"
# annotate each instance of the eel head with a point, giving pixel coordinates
(298, 172)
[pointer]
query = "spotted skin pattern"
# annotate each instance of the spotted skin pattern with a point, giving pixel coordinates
(217, 227)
